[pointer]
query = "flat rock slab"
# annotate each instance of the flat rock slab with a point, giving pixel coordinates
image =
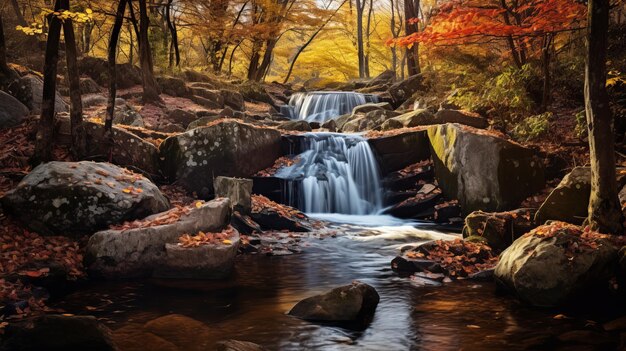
(138, 252)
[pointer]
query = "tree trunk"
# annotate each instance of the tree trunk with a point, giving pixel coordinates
(18, 14)
(150, 86)
(7, 73)
(605, 214)
(411, 11)
(43, 141)
(545, 59)
(173, 32)
(73, 77)
(270, 44)
(360, 5)
(112, 58)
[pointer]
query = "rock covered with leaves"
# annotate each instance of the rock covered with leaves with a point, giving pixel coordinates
(136, 249)
(557, 263)
(81, 197)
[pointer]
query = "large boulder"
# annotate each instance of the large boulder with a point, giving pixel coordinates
(182, 117)
(58, 333)
(209, 98)
(98, 69)
(296, 125)
(398, 151)
(59, 198)
(173, 86)
(422, 117)
(89, 86)
(29, 91)
(368, 121)
(481, 170)
(499, 229)
(208, 261)
(228, 148)
(129, 150)
(569, 201)
(233, 99)
(556, 264)
(404, 89)
(139, 250)
(238, 190)
(12, 111)
(354, 303)
(460, 116)
(385, 77)
(372, 106)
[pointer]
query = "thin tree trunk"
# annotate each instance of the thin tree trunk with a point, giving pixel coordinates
(112, 58)
(304, 46)
(411, 11)
(150, 86)
(76, 104)
(360, 6)
(366, 59)
(173, 32)
(605, 214)
(230, 60)
(18, 14)
(43, 141)
(546, 58)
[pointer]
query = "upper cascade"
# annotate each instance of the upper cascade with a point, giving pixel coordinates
(320, 106)
(336, 173)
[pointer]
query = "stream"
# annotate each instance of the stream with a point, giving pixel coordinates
(252, 304)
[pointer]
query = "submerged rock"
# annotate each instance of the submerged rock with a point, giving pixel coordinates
(59, 198)
(354, 303)
(229, 148)
(483, 171)
(139, 250)
(555, 264)
(58, 333)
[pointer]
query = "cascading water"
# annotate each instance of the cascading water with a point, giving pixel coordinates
(320, 106)
(336, 173)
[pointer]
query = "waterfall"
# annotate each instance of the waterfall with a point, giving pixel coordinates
(320, 106)
(336, 173)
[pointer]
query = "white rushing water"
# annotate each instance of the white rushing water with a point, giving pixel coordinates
(337, 173)
(320, 106)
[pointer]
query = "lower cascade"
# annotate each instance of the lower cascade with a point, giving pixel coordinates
(320, 106)
(336, 173)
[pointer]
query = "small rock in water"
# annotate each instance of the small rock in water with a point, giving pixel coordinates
(352, 306)
(237, 345)
(421, 281)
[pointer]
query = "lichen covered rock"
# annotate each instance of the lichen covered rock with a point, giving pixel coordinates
(59, 198)
(229, 148)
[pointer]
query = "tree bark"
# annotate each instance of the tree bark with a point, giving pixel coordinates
(73, 77)
(360, 7)
(411, 11)
(43, 140)
(545, 59)
(112, 58)
(18, 14)
(150, 87)
(173, 32)
(605, 214)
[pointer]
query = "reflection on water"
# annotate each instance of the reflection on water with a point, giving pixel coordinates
(252, 305)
